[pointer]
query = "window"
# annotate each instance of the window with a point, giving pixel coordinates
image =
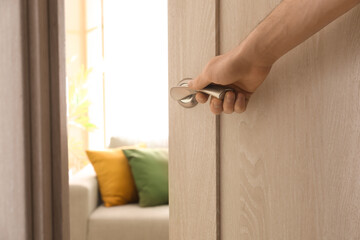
(116, 74)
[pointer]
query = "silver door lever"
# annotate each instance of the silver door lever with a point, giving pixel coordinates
(186, 96)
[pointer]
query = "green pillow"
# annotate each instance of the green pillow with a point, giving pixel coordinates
(150, 171)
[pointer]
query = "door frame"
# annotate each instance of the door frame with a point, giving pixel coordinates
(58, 120)
(44, 27)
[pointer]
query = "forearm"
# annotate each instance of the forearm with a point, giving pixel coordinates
(245, 67)
(291, 23)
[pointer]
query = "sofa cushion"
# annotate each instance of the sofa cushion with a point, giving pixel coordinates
(129, 222)
(120, 141)
(113, 172)
(150, 170)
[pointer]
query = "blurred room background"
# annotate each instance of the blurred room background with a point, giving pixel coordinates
(117, 71)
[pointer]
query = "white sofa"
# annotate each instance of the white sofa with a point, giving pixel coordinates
(90, 220)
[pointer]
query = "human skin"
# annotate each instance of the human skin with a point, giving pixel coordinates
(245, 67)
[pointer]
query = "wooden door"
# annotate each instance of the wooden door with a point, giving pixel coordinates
(287, 168)
(193, 150)
(290, 165)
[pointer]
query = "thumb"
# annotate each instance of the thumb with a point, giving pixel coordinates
(198, 83)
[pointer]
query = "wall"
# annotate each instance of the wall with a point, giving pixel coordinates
(14, 180)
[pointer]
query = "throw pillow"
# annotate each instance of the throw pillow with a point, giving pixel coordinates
(116, 183)
(150, 171)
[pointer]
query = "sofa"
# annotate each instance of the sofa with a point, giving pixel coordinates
(90, 220)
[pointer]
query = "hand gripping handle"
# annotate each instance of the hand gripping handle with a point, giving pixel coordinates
(186, 96)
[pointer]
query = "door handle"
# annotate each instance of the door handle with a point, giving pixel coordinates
(186, 96)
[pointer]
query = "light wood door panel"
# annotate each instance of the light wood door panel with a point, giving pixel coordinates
(192, 143)
(290, 165)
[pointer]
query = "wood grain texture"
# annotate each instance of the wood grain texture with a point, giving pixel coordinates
(15, 200)
(290, 164)
(192, 142)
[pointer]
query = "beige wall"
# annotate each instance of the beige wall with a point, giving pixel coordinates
(14, 155)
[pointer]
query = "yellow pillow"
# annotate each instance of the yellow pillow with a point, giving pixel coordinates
(116, 183)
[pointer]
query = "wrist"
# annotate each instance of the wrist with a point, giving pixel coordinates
(248, 66)
(254, 51)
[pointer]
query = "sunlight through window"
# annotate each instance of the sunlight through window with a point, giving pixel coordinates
(117, 71)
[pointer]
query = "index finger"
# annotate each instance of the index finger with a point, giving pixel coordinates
(198, 83)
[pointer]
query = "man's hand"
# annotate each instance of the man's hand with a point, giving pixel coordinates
(245, 67)
(236, 71)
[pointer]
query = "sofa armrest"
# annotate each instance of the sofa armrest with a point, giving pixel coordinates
(84, 199)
